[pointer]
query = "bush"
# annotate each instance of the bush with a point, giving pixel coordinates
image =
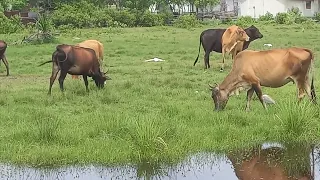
(317, 16)
(124, 17)
(149, 19)
(187, 21)
(281, 18)
(245, 21)
(77, 15)
(267, 17)
(292, 16)
(9, 25)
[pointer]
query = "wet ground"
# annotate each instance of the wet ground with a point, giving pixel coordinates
(268, 161)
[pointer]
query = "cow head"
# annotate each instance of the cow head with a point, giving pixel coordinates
(242, 35)
(220, 98)
(253, 32)
(100, 80)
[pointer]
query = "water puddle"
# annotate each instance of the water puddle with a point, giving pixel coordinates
(268, 161)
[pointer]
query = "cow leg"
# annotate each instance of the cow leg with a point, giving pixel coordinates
(206, 60)
(85, 79)
(223, 56)
(307, 88)
(63, 75)
(5, 61)
(257, 89)
(249, 96)
(55, 70)
(302, 87)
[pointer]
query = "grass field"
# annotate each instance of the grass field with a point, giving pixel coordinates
(155, 111)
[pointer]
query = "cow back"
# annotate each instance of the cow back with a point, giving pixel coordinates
(94, 45)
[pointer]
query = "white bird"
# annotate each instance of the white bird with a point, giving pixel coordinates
(154, 60)
(267, 99)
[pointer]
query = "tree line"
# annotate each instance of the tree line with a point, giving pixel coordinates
(140, 5)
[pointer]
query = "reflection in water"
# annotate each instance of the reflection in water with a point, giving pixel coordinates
(291, 162)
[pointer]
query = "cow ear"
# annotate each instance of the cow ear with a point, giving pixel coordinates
(108, 78)
(238, 30)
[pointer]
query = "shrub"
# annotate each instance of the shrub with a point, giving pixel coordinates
(71, 15)
(101, 19)
(245, 21)
(166, 17)
(267, 17)
(281, 18)
(124, 17)
(187, 21)
(9, 25)
(148, 19)
(317, 16)
(81, 14)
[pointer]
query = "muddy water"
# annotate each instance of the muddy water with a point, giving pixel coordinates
(265, 160)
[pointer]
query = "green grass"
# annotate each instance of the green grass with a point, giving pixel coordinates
(157, 112)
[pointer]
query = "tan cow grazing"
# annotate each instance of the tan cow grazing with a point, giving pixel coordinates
(96, 46)
(273, 163)
(270, 68)
(232, 41)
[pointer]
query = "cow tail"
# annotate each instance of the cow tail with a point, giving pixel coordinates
(45, 62)
(313, 92)
(198, 51)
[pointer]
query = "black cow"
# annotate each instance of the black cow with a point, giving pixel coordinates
(211, 41)
(3, 47)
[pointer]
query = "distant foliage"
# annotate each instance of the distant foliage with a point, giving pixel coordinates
(317, 16)
(187, 21)
(9, 25)
(267, 17)
(245, 21)
(281, 18)
(85, 15)
(97, 13)
(292, 16)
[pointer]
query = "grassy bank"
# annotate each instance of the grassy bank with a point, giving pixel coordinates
(155, 111)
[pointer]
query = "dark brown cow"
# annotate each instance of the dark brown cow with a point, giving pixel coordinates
(3, 48)
(96, 46)
(76, 60)
(273, 163)
(270, 68)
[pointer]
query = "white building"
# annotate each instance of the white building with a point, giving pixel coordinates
(256, 8)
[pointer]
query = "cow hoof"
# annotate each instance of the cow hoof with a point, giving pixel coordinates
(221, 70)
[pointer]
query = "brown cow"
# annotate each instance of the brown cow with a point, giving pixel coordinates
(96, 46)
(232, 41)
(75, 60)
(273, 163)
(3, 48)
(270, 68)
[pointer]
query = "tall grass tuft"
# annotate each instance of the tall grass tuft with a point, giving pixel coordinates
(149, 139)
(46, 126)
(296, 119)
